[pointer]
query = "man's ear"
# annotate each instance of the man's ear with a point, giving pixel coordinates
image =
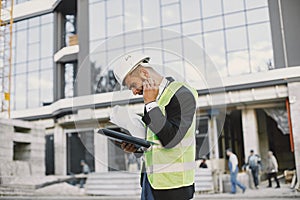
(144, 73)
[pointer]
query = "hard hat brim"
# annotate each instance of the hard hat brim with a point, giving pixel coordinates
(134, 67)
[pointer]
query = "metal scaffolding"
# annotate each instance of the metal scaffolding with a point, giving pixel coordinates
(6, 25)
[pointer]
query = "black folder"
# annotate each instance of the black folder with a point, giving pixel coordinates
(119, 137)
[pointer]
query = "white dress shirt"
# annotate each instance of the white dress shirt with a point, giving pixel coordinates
(234, 162)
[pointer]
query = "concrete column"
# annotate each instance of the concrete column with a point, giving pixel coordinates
(294, 99)
(58, 72)
(214, 152)
(250, 131)
(101, 153)
(263, 137)
(37, 157)
(60, 151)
(213, 138)
(285, 35)
(83, 79)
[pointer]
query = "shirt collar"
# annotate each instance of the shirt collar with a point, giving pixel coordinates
(164, 83)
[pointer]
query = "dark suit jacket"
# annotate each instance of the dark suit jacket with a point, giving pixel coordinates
(170, 129)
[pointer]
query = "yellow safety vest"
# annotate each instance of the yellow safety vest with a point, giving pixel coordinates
(173, 167)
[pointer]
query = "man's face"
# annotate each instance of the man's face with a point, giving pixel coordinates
(135, 84)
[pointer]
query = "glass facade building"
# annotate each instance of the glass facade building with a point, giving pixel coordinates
(32, 73)
(234, 34)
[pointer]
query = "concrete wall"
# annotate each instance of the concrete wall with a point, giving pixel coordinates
(27, 156)
(6, 144)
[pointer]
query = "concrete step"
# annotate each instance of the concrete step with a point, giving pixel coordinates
(125, 183)
(8, 191)
(5, 189)
(113, 183)
(203, 180)
(114, 175)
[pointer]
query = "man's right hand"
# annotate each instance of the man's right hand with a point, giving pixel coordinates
(129, 148)
(150, 90)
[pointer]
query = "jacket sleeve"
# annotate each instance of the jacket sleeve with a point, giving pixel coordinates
(172, 127)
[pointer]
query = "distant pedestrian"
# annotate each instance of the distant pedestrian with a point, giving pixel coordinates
(272, 169)
(233, 167)
(253, 163)
(85, 170)
(203, 163)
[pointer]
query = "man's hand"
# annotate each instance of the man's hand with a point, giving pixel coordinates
(127, 147)
(150, 90)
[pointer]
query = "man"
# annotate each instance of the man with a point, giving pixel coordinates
(233, 167)
(253, 162)
(85, 170)
(272, 169)
(169, 116)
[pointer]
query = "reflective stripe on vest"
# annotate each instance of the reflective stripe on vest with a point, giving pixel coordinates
(185, 142)
(173, 167)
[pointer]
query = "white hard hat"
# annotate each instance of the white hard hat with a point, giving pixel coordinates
(127, 64)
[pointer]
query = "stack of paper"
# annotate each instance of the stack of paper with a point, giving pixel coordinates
(125, 118)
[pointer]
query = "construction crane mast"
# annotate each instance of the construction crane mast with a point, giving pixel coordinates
(6, 25)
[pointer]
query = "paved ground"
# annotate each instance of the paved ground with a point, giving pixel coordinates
(263, 193)
(285, 192)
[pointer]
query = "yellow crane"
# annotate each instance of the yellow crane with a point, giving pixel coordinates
(6, 25)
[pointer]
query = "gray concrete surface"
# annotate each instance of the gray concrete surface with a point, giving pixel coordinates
(263, 193)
